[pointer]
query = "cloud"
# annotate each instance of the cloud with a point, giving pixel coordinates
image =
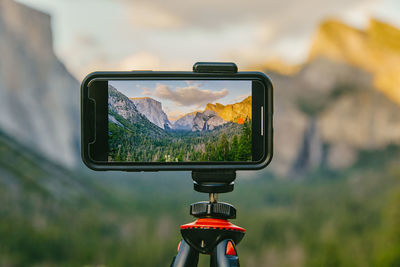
(150, 15)
(140, 61)
(146, 91)
(214, 14)
(191, 95)
(248, 32)
(178, 33)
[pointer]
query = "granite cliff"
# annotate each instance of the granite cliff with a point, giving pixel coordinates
(333, 106)
(152, 110)
(375, 49)
(234, 111)
(39, 98)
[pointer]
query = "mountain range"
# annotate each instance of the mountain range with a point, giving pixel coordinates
(185, 122)
(327, 109)
(124, 113)
(214, 115)
(135, 136)
(146, 116)
(375, 49)
(207, 120)
(331, 108)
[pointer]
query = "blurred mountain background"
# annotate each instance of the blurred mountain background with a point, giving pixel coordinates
(330, 197)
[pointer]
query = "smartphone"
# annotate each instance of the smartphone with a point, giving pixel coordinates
(151, 121)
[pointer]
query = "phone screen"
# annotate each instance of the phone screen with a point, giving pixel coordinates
(179, 120)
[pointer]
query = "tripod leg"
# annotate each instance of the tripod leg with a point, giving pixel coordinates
(186, 257)
(225, 255)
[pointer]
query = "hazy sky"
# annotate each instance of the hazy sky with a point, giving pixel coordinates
(94, 35)
(181, 97)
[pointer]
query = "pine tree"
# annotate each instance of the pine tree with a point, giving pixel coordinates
(223, 148)
(234, 152)
(245, 142)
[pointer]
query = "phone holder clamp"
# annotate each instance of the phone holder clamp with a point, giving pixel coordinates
(215, 67)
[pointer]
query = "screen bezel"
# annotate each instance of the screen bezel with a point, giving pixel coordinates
(95, 97)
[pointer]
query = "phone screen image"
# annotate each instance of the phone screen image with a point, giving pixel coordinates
(179, 120)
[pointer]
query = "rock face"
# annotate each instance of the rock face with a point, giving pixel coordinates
(207, 120)
(121, 105)
(375, 49)
(214, 115)
(153, 111)
(112, 119)
(132, 120)
(325, 114)
(364, 119)
(185, 123)
(327, 110)
(39, 98)
(233, 111)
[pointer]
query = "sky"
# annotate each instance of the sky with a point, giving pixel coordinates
(91, 35)
(181, 97)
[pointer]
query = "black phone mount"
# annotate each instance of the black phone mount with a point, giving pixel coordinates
(213, 181)
(211, 233)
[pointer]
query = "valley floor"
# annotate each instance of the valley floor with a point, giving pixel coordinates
(51, 217)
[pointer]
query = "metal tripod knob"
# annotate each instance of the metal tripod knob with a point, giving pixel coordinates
(219, 210)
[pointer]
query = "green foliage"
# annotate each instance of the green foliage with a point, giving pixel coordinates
(244, 150)
(53, 217)
(133, 143)
(388, 245)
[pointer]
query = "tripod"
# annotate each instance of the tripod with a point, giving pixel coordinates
(211, 233)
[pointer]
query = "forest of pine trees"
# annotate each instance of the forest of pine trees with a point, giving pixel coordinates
(231, 142)
(236, 148)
